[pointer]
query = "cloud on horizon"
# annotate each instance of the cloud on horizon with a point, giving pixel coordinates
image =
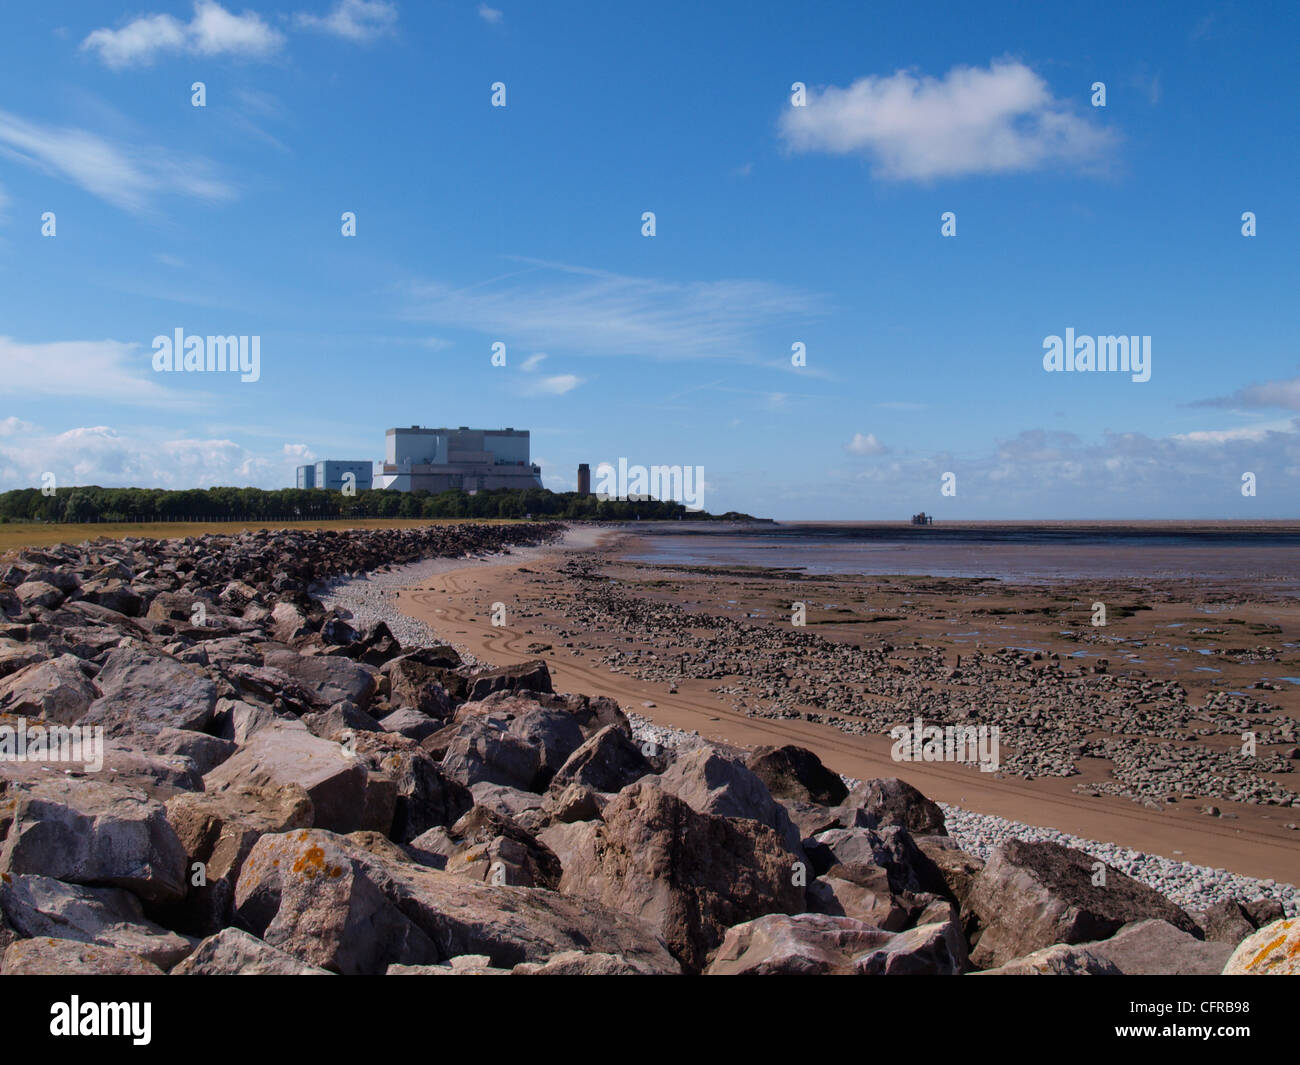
(102, 456)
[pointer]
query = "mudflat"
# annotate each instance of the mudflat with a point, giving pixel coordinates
(1129, 731)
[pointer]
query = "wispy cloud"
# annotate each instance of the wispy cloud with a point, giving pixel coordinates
(595, 313)
(1277, 394)
(104, 370)
(353, 20)
(532, 362)
(127, 177)
(997, 120)
(213, 31)
(489, 14)
(556, 385)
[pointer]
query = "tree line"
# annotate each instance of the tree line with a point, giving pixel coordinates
(86, 504)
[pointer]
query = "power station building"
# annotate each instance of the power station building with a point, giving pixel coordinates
(331, 474)
(473, 460)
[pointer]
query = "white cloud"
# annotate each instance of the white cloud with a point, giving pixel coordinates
(1044, 473)
(105, 370)
(592, 312)
(972, 121)
(1224, 436)
(212, 31)
(355, 20)
(865, 445)
(125, 177)
(557, 385)
(489, 14)
(1283, 394)
(11, 425)
(299, 454)
(532, 362)
(103, 456)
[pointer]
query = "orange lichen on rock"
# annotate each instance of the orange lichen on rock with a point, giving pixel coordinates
(310, 862)
(1273, 950)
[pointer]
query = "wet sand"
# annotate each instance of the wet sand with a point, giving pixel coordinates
(955, 616)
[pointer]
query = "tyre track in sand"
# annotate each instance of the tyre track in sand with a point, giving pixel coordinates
(442, 601)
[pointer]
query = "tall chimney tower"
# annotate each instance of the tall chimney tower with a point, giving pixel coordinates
(584, 479)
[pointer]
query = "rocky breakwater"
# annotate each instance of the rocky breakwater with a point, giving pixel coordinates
(282, 791)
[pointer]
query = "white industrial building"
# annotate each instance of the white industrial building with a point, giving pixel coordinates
(473, 460)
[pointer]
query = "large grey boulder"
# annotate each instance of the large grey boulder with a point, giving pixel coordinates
(159, 776)
(232, 952)
(426, 796)
(38, 594)
(87, 832)
(1157, 948)
(1033, 895)
(218, 830)
(70, 957)
(579, 963)
(329, 679)
(492, 847)
(816, 944)
(411, 723)
(607, 761)
(712, 783)
(345, 796)
(114, 594)
(890, 801)
(899, 865)
(1062, 959)
(1227, 921)
(797, 774)
(15, 655)
(690, 875)
(525, 676)
(42, 906)
(55, 690)
(206, 752)
(142, 690)
(423, 681)
(357, 904)
(518, 744)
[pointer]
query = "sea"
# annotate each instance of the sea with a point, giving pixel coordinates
(1027, 552)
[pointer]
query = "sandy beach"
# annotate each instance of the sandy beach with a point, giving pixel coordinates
(542, 599)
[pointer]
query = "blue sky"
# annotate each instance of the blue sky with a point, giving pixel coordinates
(774, 225)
